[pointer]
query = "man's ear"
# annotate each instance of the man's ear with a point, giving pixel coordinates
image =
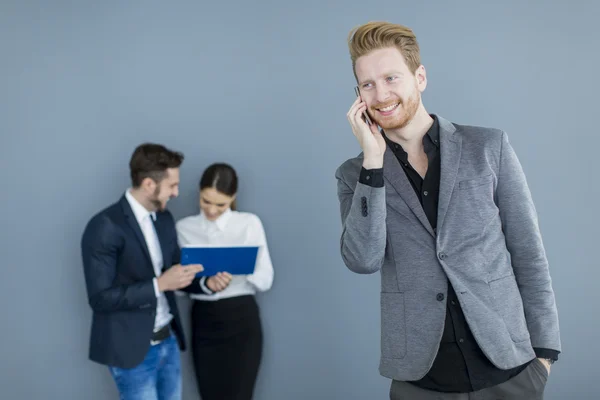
(421, 76)
(148, 184)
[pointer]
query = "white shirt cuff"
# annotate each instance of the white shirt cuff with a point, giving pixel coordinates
(155, 283)
(203, 286)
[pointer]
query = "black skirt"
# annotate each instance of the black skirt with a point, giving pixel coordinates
(227, 345)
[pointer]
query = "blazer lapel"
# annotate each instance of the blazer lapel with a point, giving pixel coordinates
(450, 151)
(393, 173)
(135, 226)
(160, 234)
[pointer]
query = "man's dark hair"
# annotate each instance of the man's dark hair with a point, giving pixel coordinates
(151, 160)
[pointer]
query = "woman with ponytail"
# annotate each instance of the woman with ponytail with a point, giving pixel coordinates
(227, 335)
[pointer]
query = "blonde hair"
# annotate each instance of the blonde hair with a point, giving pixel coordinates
(379, 35)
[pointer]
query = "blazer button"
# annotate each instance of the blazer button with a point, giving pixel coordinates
(442, 256)
(440, 296)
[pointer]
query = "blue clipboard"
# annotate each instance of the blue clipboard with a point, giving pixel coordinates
(237, 260)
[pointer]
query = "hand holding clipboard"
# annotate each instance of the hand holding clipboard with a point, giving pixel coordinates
(235, 260)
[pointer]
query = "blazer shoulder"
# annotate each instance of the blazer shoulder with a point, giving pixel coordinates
(102, 221)
(110, 212)
(482, 135)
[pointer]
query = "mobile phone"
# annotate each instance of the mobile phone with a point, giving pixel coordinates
(365, 116)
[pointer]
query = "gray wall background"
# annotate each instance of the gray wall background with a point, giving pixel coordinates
(266, 86)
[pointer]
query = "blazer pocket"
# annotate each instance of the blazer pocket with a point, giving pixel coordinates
(475, 182)
(477, 195)
(509, 304)
(393, 326)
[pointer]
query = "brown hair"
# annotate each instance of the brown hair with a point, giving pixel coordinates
(223, 178)
(379, 35)
(151, 160)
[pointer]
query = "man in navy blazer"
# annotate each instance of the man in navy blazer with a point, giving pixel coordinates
(131, 265)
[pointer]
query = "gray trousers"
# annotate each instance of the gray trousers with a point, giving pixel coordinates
(528, 385)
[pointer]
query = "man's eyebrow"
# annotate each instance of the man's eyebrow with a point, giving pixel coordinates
(393, 72)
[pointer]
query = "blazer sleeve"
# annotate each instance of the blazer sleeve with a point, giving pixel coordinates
(524, 243)
(100, 245)
(363, 212)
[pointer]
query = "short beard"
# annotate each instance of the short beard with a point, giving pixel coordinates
(411, 106)
(154, 200)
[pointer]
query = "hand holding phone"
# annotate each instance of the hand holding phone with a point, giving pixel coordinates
(365, 116)
(370, 139)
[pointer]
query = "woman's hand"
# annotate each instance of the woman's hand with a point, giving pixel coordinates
(218, 282)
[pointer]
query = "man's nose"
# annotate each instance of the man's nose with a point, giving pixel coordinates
(382, 94)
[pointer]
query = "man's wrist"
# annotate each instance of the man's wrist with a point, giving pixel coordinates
(373, 163)
(550, 354)
(160, 285)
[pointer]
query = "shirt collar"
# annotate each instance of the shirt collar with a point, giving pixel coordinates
(434, 131)
(139, 210)
(220, 222)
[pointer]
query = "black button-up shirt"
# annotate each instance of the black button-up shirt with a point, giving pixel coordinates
(460, 365)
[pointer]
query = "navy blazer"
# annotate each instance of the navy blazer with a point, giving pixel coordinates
(118, 275)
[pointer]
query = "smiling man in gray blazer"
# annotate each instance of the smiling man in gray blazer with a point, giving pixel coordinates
(444, 213)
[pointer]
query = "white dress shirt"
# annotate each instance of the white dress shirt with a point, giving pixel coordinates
(144, 219)
(233, 228)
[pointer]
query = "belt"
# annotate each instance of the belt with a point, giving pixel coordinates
(160, 335)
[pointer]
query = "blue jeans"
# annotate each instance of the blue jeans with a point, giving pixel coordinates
(158, 377)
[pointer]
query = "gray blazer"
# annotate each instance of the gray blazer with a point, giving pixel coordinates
(487, 243)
